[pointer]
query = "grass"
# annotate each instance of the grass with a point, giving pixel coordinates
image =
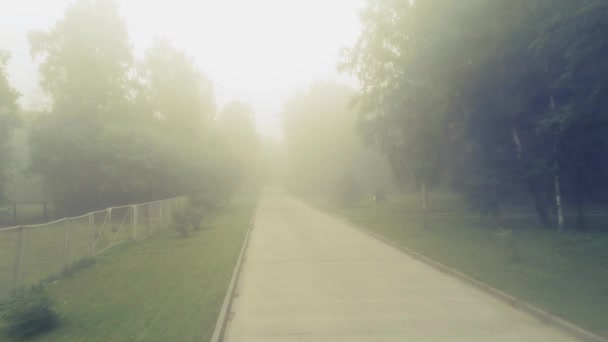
(165, 288)
(564, 274)
(48, 250)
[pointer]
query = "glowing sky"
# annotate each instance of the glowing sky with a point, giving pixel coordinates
(256, 51)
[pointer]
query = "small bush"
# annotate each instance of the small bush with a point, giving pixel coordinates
(196, 218)
(182, 221)
(30, 311)
(193, 215)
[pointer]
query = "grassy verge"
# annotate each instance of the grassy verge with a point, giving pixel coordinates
(564, 274)
(166, 288)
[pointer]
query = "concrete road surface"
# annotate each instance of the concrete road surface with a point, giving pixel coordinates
(309, 277)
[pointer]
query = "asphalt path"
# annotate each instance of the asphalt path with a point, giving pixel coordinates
(308, 276)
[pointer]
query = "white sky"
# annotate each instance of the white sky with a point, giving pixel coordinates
(256, 51)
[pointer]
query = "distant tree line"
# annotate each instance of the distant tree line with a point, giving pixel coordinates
(505, 100)
(123, 130)
(324, 154)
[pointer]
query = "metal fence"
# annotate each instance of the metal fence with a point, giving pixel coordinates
(32, 253)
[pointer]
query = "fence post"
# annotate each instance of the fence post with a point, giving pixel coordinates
(92, 229)
(46, 212)
(64, 255)
(134, 221)
(15, 213)
(170, 214)
(148, 220)
(18, 271)
(160, 216)
(111, 226)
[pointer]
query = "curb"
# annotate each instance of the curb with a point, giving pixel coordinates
(224, 316)
(541, 315)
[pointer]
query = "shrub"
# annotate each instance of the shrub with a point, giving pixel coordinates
(30, 311)
(196, 218)
(182, 221)
(192, 216)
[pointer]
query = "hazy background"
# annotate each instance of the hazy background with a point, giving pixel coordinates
(258, 52)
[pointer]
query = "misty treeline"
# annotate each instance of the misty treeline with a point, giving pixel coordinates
(504, 100)
(325, 156)
(122, 130)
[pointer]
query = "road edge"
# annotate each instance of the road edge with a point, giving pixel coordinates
(224, 316)
(544, 317)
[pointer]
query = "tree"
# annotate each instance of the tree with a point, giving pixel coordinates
(85, 72)
(177, 101)
(319, 128)
(404, 99)
(506, 105)
(571, 45)
(174, 91)
(239, 139)
(86, 59)
(273, 162)
(8, 121)
(117, 134)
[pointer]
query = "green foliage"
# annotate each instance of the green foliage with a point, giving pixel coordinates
(85, 71)
(122, 131)
(499, 97)
(30, 311)
(199, 210)
(404, 101)
(8, 121)
(135, 294)
(174, 91)
(182, 221)
(196, 218)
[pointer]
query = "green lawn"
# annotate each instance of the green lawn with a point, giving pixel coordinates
(48, 250)
(565, 274)
(165, 288)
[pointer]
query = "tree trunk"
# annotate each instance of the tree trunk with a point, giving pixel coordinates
(558, 202)
(540, 204)
(517, 142)
(556, 180)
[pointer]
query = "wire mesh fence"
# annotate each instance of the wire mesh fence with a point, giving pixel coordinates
(31, 253)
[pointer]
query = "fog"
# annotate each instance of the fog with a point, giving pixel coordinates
(236, 43)
(320, 170)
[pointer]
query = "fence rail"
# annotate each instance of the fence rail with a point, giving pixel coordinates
(30, 253)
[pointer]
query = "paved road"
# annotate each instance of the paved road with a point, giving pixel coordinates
(310, 277)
